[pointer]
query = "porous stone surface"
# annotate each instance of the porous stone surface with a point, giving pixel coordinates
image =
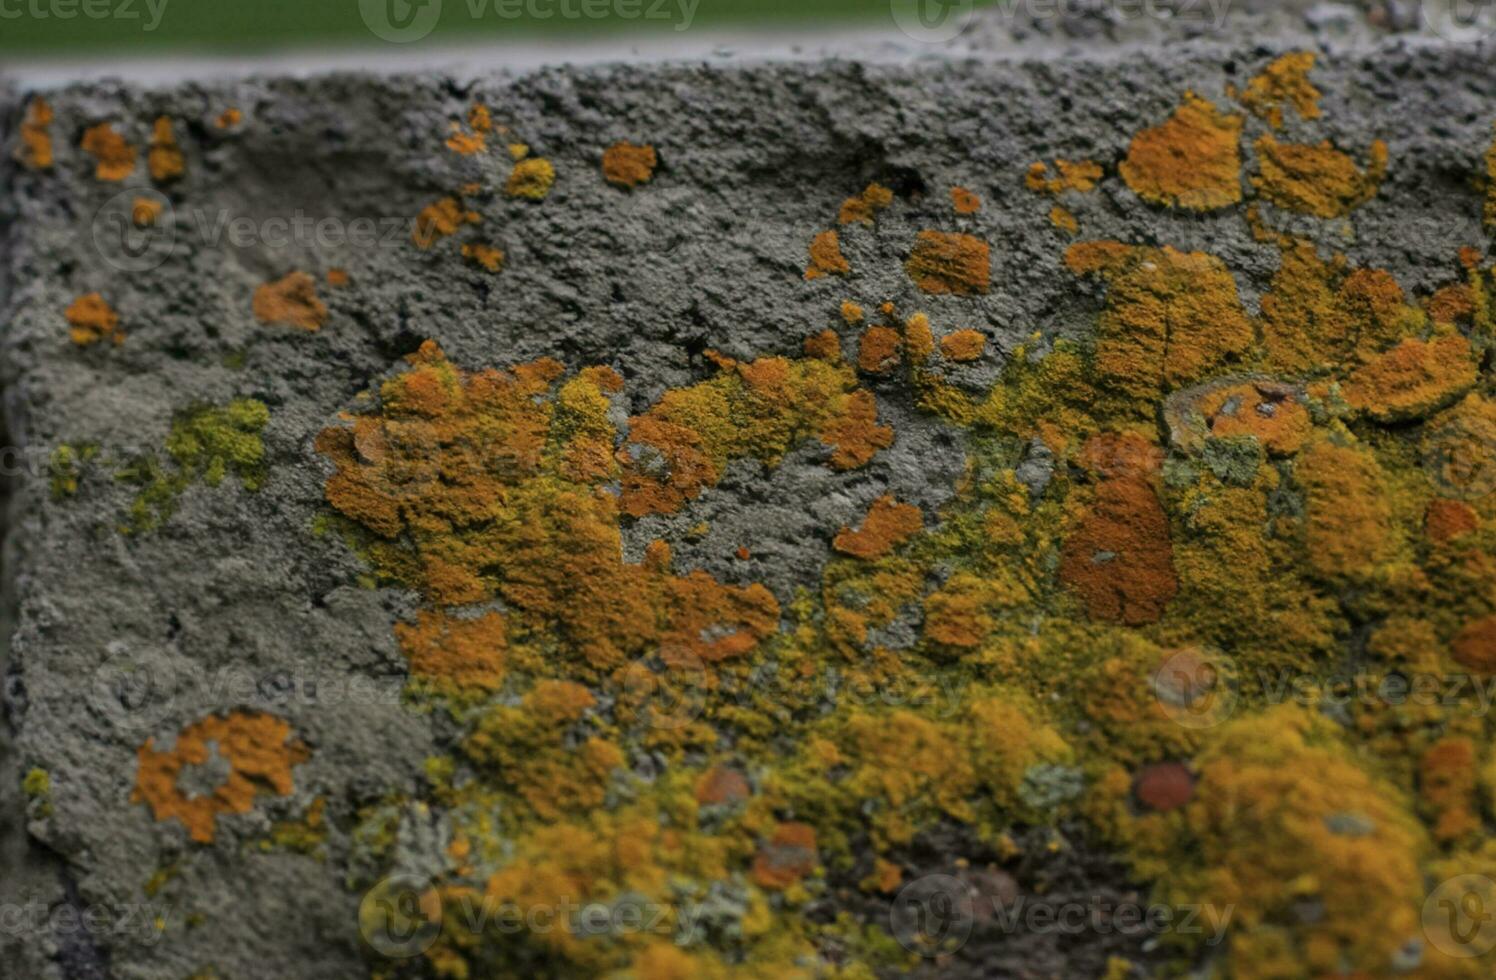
(250, 596)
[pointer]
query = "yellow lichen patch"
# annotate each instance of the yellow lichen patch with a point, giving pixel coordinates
(1282, 818)
(475, 140)
(440, 220)
(34, 151)
(531, 179)
(863, 207)
(887, 525)
(260, 754)
(114, 158)
(91, 319)
(456, 655)
(491, 484)
(164, 158)
(1347, 513)
(1191, 160)
(1316, 179)
(943, 262)
(879, 349)
(919, 339)
(1171, 318)
(1062, 219)
(1414, 379)
(145, 211)
(1118, 557)
(758, 410)
(1319, 316)
(826, 257)
(290, 301)
(484, 256)
(628, 165)
(963, 345)
(964, 201)
(1071, 175)
(1284, 82)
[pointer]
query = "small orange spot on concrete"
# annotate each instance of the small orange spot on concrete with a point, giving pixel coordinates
(531, 179)
(91, 320)
(486, 256)
(229, 118)
(35, 149)
(1071, 175)
(964, 201)
(290, 301)
(887, 525)
(851, 313)
(863, 207)
(825, 346)
(337, 276)
(963, 345)
(826, 257)
(1284, 82)
(441, 219)
(942, 262)
(260, 753)
(1191, 160)
(628, 165)
(164, 158)
(145, 211)
(878, 349)
(1062, 219)
(743, 554)
(114, 159)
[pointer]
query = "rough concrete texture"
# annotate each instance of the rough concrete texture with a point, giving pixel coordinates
(251, 599)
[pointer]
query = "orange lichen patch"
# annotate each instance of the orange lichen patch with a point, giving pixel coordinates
(440, 220)
(825, 346)
(826, 257)
(942, 262)
(1450, 304)
(337, 277)
(1447, 788)
(919, 340)
(1271, 412)
(1072, 175)
(1114, 455)
(260, 754)
(144, 211)
(887, 525)
(742, 554)
(1171, 317)
(760, 410)
(722, 786)
(164, 158)
(1284, 82)
(964, 201)
(1318, 180)
(1474, 646)
(864, 206)
(458, 655)
(531, 179)
(1318, 316)
(963, 345)
(1064, 220)
(1347, 513)
(627, 165)
(479, 118)
(34, 152)
(91, 319)
(1164, 786)
(228, 118)
(789, 855)
(290, 301)
(851, 313)
(492, 483)
(1191, 160)
(878, 349)
(1445, 519)
(485, 256)
(114, 158)
(1413, 379)
(1118, 557)
(466, 144)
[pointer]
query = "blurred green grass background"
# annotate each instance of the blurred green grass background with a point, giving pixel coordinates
(64, 28)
